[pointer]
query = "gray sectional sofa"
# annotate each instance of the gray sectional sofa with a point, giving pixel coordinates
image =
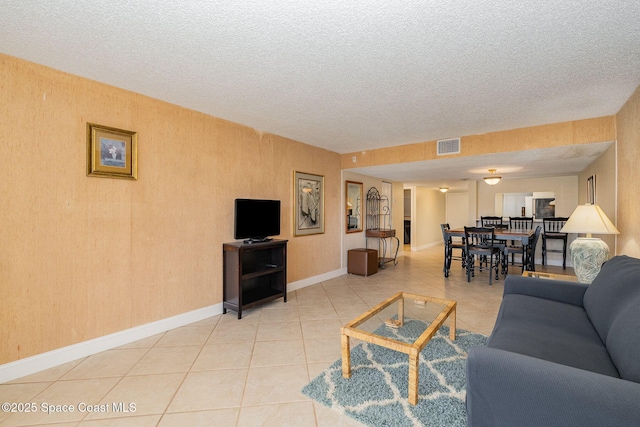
(561, 353)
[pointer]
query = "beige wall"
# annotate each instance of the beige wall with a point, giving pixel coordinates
(85, 257)
(358, 240)
(604, 168)
(430, 212)
(628, 129)
(554, 135)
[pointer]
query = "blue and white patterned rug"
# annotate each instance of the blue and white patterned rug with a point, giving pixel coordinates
(376, 393)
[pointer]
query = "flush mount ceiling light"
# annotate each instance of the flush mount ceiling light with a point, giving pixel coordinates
(443, 189)
(492, 179)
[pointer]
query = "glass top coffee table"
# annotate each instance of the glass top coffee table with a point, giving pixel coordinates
(394, 313)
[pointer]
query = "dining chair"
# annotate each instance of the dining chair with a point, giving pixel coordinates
(527, 253)
(480, 243)
(449, 246)
(551, 231)
(491, 221)
(519, 223)
(530, 251)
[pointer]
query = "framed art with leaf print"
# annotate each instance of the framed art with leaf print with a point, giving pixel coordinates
(111, 152)
(308, 190)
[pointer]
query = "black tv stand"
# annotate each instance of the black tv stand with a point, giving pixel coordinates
(257, 240)
(253, 274)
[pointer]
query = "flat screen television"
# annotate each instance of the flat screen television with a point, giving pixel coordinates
(256, 220)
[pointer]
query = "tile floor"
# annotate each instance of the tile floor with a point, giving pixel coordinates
(228, 372)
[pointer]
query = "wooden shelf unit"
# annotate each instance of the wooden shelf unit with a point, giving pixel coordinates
(253, 273)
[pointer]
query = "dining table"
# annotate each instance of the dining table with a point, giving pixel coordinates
(515, 234)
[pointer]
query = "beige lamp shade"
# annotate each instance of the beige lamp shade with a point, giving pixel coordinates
(589, 219)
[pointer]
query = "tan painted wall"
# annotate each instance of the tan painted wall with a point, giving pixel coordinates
(553, 135)
(430, 212)
(604, 168)
(84, 257)
(628, 129)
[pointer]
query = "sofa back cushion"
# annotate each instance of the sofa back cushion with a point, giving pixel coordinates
(612, 303)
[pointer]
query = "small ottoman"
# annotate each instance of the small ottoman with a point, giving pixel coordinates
(362, 261)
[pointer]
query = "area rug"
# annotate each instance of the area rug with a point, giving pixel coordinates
(376, 393)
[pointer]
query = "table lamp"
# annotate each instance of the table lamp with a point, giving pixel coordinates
(588, 253)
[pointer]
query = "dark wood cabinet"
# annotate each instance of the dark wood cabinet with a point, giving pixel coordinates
(253, 273)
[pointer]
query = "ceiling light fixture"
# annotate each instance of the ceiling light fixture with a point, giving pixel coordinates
(492, 179)
(443, 189)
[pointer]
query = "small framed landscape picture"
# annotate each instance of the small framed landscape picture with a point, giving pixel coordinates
(308, 191)
(111, 152)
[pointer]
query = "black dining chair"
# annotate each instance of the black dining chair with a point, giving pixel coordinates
(480, 244)
(491, 221)
(519, 223)
(449, 246)
(527, 254)
(551, 231)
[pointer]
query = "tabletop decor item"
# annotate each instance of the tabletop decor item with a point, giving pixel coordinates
(588, 253)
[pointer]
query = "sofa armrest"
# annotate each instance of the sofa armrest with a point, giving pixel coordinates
(511, 389)
(556, 290)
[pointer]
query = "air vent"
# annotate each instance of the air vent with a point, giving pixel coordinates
(448, 146)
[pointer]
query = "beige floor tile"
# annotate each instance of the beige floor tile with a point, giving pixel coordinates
(326, 417)
(233, 332)
(164, 360)
(186, 335)
(51, 374)
(140, 395)
(318, 313)
(322, 349)
(321, 328)
(288, 314)
(143, 343)
(17, 393)
(231, 355)
(70, 393)
(132, 421)
(273, 353)
(218, 418)
(278, 331)
(209, 390)
(275, 384)
(280, 415)
(110, 363)
(251, 315)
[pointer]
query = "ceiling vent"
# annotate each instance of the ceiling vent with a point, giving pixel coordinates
(448, 146)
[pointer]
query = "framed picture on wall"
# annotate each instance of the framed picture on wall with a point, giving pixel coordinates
(591, 189)
(111, 152)
(308, 190)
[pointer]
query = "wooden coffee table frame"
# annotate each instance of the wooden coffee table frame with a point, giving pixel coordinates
(412, 349)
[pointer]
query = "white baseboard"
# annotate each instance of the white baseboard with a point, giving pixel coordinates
(426, 246)
(299, 284)
(40, 362)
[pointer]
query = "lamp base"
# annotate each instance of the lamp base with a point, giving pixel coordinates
(587, 256)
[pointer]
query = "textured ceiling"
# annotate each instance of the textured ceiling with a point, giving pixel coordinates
(347, 76)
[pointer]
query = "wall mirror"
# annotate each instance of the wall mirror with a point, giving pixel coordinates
(354, 206)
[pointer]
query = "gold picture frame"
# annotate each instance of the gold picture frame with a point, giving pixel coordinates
(111, 152)
(308, 211)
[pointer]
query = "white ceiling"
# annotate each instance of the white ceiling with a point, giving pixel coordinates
(347, 76)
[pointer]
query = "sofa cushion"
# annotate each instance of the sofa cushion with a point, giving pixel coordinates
(552, 331)
(612, 303)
